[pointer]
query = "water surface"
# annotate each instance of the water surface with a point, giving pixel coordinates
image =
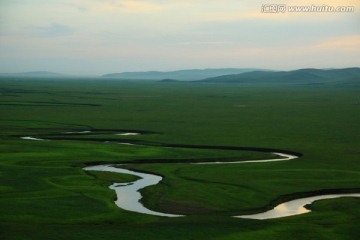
(33, 139)
(294, 207)
(128, 195)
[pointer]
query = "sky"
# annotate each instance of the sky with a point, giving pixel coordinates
(94, 37)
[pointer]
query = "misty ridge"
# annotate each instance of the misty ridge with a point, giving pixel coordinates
(246, 75)
(310, 76)
(348, 76)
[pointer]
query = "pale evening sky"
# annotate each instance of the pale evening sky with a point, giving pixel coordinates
(103, 36)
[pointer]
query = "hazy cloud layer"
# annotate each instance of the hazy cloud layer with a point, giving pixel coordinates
(52, 30)
(100, 36)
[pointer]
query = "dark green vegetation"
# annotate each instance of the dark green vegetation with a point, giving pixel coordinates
(45, 194)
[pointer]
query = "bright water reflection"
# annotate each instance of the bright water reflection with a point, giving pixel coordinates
(33, 139)
(294, 207)
(128, 195)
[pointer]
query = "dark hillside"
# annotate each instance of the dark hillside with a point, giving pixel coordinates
(297, 76)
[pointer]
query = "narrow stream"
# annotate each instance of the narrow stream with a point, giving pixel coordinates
(33, 139)
(284, 157)
(129, 197)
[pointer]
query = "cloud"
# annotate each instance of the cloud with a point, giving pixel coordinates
(139, 7)
(245, 11)
(349, 43)
(53, 30)
(355, 3)
(126, 6)
(189, 33)
(206, 43)
(28, 32)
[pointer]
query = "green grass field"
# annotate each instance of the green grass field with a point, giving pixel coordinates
(45, 194)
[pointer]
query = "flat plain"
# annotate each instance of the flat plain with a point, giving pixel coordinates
(45, 193)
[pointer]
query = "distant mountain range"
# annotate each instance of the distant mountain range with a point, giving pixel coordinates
(308, 76)
(348, 76)
(185, 75)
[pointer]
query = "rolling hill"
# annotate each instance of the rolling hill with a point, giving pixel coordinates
(303, 76)
(185, 75)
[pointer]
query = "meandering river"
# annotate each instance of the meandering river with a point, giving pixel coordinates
(129, 197)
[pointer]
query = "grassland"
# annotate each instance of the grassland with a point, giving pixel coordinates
(45, 194)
